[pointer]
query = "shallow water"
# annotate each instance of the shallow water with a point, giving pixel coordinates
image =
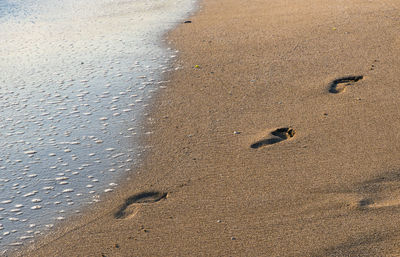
(75, 79)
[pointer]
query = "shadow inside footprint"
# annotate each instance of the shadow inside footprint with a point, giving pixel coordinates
(145, 197)
(339, 85)
(279, 134)
(365, 202)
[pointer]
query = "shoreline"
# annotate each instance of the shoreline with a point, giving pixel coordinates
(68, 137)
(106, 198)
(248, 70)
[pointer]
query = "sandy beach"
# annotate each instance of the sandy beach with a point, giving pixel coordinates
(276, 136)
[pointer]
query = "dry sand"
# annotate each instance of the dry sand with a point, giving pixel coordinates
(332, 189)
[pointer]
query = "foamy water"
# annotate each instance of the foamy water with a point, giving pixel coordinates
(75, 79)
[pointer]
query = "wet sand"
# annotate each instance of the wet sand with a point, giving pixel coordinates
(267, 142)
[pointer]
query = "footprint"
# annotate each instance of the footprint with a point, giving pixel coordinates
(381, 192)
(339, 85)
(366, 202)
(128, 210)
(278, 135)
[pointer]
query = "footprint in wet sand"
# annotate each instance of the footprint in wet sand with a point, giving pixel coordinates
(381, 192)
(340, 84)
(132, 204)
(276, 136)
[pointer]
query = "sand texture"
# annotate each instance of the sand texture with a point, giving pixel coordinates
(267, 141)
